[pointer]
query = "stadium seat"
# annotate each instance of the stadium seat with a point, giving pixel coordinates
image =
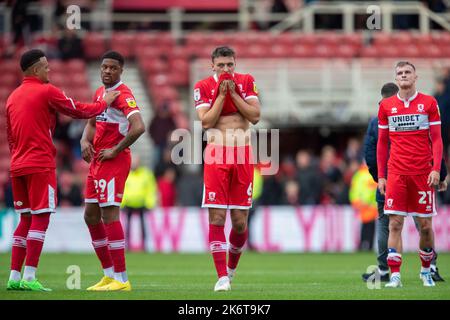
(302, 50)
(8, 80)
(94, 44)
(123, 42)
(75, 65)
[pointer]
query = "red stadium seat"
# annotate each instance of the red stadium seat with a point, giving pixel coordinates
(369, 52)
(9, 80)
(346, 51)
(75, 65)
(94, 45)
(124, 43)
(325, 50)
(431, 51)
(302, 50)
(279, 51)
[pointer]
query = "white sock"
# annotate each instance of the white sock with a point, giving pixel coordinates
(422, 269)
(29, 273)
(383, 272)
(109, 272)
(15, 275)
(433, 267)
(395, 274)
(121, 276)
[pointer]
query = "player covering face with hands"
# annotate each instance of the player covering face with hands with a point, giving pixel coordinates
(226, 103)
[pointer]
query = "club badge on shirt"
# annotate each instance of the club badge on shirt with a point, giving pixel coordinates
(131, 102)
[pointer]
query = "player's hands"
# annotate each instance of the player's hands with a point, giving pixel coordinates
(231, 85)
(223, 88)
(382, 185)
(107, 154)
(433, 179)
(110, 96)
(442, 186)
(87, 150)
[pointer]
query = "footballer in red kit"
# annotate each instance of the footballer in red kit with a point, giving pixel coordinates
(105, 145)
(31, 118)
(410, 121)
(226, 103)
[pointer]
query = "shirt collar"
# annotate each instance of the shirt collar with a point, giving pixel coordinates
(31, 79)
(410, 99)
(114, 87)
(216, 78)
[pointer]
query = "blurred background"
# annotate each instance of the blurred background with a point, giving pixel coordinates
(319, 67)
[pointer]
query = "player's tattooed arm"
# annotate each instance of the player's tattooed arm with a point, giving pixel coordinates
(87, 149)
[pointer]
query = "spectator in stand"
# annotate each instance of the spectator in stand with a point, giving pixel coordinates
(331, 174)
(443, 100)
(70, 45)
(161, 125)
(69, 192)
(291, 193)
(167, 189)
(308, 179)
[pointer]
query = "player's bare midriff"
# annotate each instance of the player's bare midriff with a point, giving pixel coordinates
(230, 130)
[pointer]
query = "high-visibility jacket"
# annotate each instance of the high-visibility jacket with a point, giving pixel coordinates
(141, 190)
(362, 194)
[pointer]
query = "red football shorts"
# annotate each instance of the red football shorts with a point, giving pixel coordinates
(35, 192)
(228, 177)
(409, 195)
(106, 180)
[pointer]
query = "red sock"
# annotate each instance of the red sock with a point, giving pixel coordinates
(426, 258)
(100, 244)
(237, 241)
(394, 261)
(36, 237)
(116, 243)
(19, 246)
(218, 247)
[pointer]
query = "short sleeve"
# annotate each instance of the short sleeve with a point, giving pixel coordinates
(127, 104)
(382, 118)
(434, 116)
(201, 100)
(251, 91)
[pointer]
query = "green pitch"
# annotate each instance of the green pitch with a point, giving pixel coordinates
(260, 276)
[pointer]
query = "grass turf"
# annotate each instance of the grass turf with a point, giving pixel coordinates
(261, 276)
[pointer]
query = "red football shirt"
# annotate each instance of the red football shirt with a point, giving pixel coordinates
(409, 124)
(204, 89)
(31, 118)
(112, 125)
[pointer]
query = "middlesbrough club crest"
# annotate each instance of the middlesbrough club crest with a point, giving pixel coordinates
(212, 196)
(389, 203)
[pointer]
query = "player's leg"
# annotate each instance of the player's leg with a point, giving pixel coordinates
(382, 239)
(433, 266)
(426, 251)
(396, 206)
(97, 231)
(116, 243)
(215, 198)
(238, 238)
(42, 196)
(423, 209)
(19, 243)
(240, 200)
(111, 176)
(218, 246)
